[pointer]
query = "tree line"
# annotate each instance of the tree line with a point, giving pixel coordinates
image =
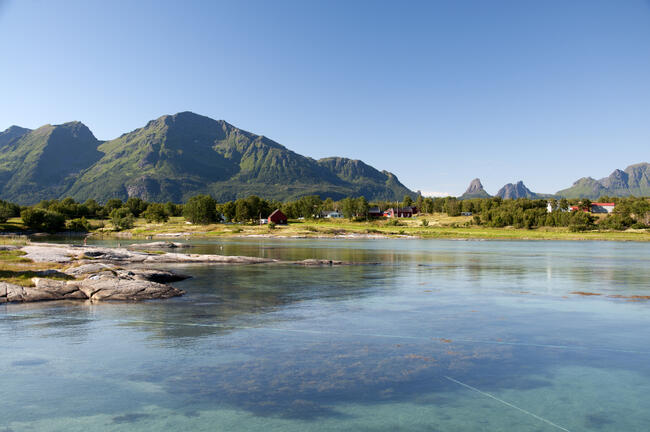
(67, 214)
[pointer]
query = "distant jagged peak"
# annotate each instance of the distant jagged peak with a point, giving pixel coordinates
(515, 191)
(475, 190)
(475, 186)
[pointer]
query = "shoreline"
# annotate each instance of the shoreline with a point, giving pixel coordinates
(459, 234)
(50, 272)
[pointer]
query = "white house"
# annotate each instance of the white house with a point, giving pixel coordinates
(334, 214)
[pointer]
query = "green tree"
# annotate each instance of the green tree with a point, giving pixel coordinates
(155, 212)
(243, 212)
(452, 207)
(111, 205)
(93, 208)
(563, 204)
(173, 209)
(43, 220)
(136, 205)
(228, 210)
(362, 207)
(8, 210)
(201, 209)
(78, 225)
(348, 207)
(407, 201)
(122, 218)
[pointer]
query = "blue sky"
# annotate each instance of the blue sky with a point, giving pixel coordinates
(438, 92)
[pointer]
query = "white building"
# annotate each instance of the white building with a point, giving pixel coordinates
(334, 214)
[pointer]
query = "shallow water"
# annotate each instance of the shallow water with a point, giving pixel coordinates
(440, 336)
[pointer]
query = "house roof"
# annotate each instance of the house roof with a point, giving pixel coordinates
(277, 212)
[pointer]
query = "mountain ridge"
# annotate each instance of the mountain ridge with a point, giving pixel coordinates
(172, 158)
(516, 191)
(633, 180)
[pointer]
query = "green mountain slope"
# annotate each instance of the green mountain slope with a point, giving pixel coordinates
(368, 180)
(11, 135)
(43, 163)
(177, 156)
(634, 180)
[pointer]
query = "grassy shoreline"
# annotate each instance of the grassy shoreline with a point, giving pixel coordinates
(440, 226)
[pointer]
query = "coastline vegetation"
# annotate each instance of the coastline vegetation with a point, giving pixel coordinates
(480, 218)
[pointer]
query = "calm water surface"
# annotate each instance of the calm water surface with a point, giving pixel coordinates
(441, 336)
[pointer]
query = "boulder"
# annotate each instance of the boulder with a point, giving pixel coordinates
(87, 269)
(107, 286)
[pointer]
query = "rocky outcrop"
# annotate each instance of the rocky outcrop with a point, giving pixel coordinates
(101, 282)
(44, 252)
(515, 191)
(124, 286)
(117, 273)
(475, 190)
(45, 289)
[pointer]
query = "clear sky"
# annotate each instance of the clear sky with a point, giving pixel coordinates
(438, 92)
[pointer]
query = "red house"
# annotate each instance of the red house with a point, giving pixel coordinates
(400, 212)
(278, 218)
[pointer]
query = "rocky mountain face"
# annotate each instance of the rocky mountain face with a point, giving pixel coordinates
(172, 158)
(515, 191)
(634, 180)
(475, 190)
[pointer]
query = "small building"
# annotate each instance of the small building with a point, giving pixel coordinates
(375, 212)
(333, 214)
(400, 212)
(602, 207)
(278, 218)
(597, 208)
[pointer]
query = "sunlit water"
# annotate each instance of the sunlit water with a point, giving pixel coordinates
(439, 336)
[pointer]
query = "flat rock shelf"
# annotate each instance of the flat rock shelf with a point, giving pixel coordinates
(101, 273)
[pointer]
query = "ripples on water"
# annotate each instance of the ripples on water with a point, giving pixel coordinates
(444, 335)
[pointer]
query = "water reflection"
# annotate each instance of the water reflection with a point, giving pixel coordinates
(332, 347)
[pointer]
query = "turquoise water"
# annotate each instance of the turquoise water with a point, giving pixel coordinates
(440, 336)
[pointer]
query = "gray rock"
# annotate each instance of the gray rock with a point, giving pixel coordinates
(3, 291)
(105, 287)
(51, 289)
(87, 268)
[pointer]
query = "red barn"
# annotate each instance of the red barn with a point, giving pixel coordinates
(278, 218)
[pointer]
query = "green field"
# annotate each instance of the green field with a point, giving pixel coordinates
(439, 226)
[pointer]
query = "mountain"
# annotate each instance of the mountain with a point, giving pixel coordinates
(177, 156)
(11, 135)
(475, 190)
(43, 163)
(514, 191)
(634, 180)
(382, 185)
